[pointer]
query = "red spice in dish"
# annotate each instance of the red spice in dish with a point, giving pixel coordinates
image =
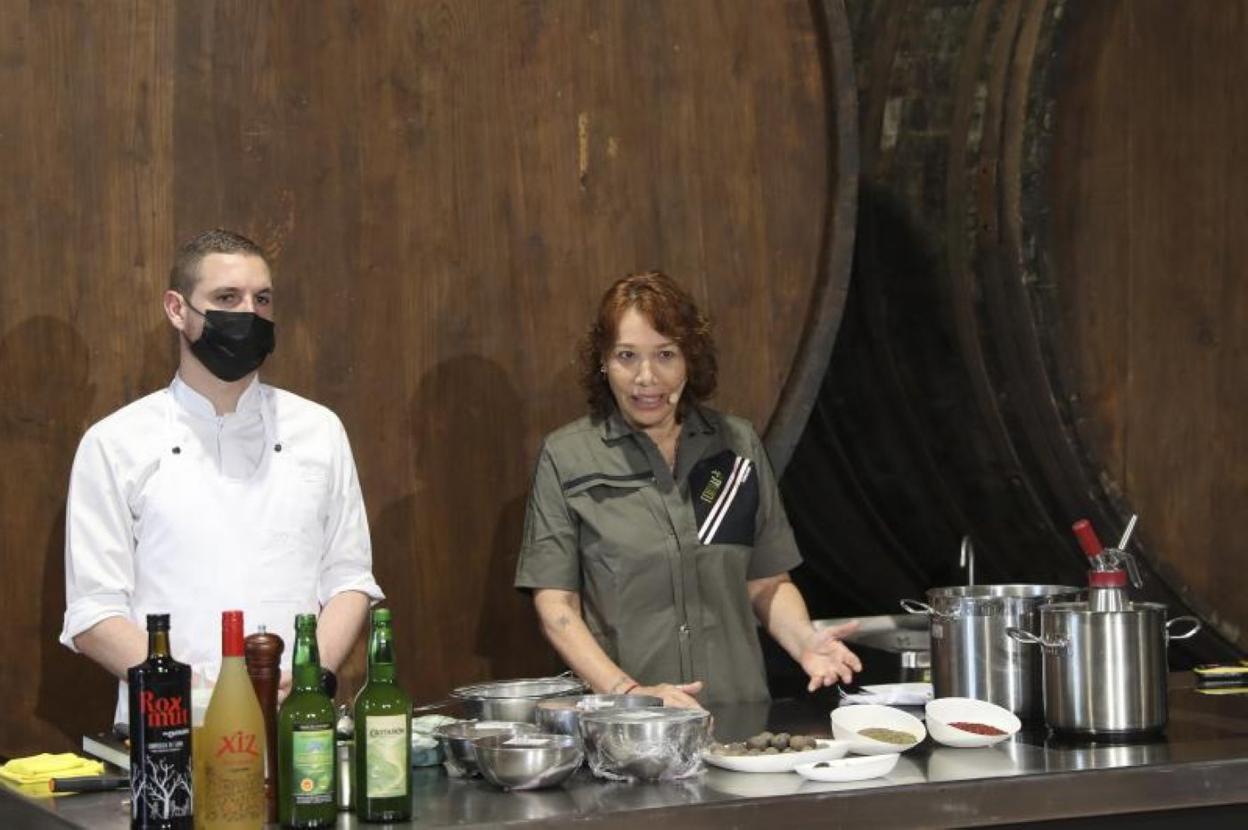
(977, 728)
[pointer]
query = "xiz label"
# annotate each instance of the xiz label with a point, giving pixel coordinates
(387, 760)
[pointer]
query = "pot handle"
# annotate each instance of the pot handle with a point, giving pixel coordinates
(1191, 632)
(1025, 637)
(913, 606)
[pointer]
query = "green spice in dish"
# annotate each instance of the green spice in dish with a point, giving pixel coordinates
(888, 736)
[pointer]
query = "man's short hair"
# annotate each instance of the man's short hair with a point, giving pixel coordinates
(185, 271)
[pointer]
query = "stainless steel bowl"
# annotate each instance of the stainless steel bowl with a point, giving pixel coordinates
(456, 740)
(649, 744)
(527, 762)
(562, 715)
(513, 700)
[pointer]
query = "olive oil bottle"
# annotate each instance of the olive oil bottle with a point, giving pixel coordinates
(305, 739)
(383, 733)
(232, 792)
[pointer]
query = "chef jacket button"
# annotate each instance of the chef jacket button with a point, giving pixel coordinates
(684, 629)
(277, 447)
(177, 450)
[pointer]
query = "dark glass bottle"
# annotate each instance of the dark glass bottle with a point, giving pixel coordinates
(306, 759)
(160, 735)
(383, 733)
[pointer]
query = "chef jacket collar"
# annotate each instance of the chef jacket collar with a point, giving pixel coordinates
(614, 427)
(199, 406)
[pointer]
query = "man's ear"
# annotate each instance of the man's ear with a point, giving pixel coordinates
(175, 309)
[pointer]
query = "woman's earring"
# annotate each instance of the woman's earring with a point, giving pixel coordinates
(602, 369)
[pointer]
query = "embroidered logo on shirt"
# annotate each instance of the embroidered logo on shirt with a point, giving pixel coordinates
(712, 486)
(727, 500)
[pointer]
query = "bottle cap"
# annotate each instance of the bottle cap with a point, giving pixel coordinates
(231, 633)
(304, 622)
(157, 622)
(381, 615)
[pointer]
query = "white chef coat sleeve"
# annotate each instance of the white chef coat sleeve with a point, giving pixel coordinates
(99, 541)
(347, 561)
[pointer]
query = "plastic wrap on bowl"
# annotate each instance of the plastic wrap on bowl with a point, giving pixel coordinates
(426, 751)
(649, 744)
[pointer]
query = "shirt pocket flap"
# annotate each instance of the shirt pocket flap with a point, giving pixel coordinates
(627, 481)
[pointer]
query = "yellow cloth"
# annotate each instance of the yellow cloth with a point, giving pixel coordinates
(37, 769)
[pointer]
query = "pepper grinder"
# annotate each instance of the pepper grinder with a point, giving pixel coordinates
(264, 657)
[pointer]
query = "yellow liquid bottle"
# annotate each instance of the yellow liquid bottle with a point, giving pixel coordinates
(231, 762)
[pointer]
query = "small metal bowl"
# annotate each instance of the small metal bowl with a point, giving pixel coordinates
(562, 715)
(527, 762)
(651, 744)
(513, 700)
(457, 739)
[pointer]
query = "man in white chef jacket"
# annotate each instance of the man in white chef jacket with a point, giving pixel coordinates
(216, 492)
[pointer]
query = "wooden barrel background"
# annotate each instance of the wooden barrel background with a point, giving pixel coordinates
(1046, 313)
(446, 189)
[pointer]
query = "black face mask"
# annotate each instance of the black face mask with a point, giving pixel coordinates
(233, 344)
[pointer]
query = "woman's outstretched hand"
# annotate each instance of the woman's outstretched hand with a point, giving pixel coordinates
(827, 660)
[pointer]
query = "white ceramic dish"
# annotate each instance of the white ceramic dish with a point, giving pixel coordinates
(946, 710)
(847, 721)
(859, 768)
(893, 694)
(783, 762)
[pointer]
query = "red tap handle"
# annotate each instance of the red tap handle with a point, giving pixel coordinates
(1087, 538)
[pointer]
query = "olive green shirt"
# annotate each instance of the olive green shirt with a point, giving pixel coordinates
(661, 560)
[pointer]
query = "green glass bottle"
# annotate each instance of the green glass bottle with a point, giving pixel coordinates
(383, 733)
(305, 739)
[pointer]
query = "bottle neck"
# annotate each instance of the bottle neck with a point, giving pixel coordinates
(158, 644)
(306, 663)
(381, 655)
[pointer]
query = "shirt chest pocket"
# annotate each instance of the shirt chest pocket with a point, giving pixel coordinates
(724, 490)
(619, 528)
(295, 537)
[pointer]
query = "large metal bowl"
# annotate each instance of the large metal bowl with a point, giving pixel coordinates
(650, 744)
(527, 762)
(513, 700)
(562, 715)
(457, 740)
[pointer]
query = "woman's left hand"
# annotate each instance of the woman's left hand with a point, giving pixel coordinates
(827, 660)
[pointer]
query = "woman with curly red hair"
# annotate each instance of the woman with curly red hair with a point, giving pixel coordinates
(655, 539)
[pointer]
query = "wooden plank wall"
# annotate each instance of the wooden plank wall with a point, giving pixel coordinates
(1148, 241)
(446, 189)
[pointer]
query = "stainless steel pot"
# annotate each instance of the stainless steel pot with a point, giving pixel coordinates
(971, 654)
(1104, 672)
(513, 700)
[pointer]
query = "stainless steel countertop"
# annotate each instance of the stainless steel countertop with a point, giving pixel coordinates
(1202, 760)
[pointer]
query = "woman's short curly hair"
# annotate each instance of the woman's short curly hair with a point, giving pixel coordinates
(672, 312)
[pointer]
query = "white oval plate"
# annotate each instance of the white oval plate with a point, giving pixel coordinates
(946, 710)
(826, 750)
(858, 768)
